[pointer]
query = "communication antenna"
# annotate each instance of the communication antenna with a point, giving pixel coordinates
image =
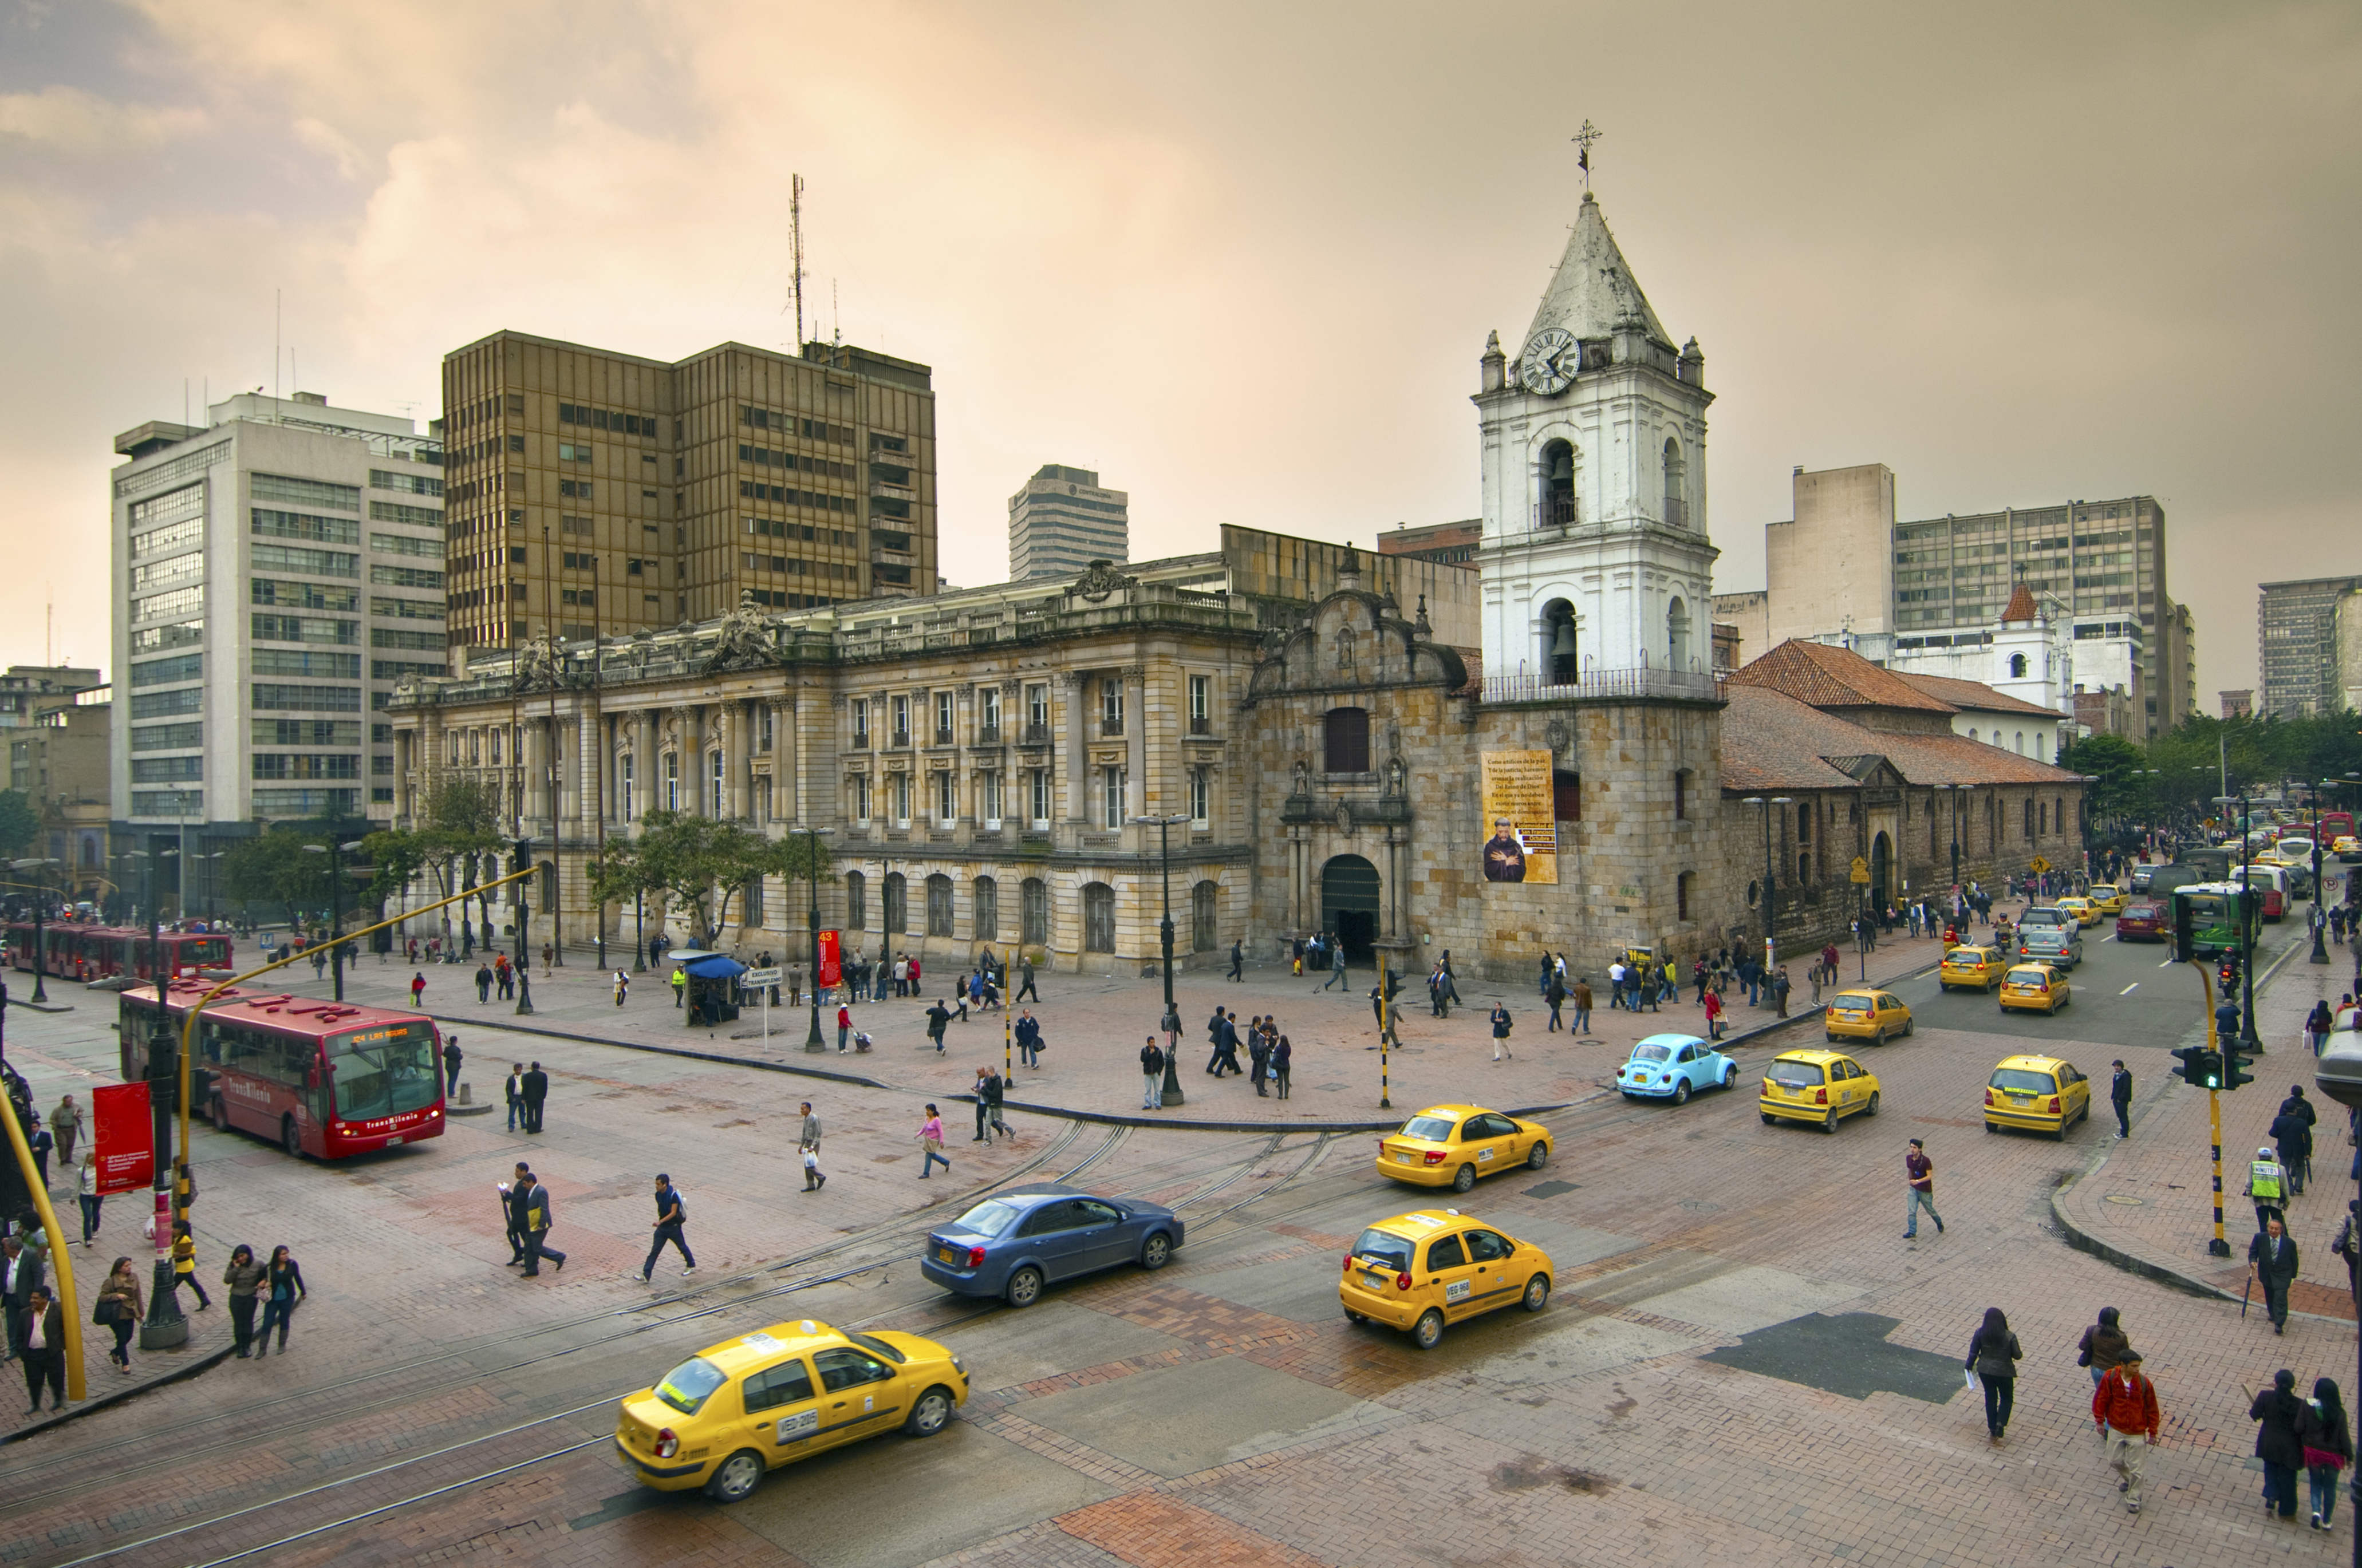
(796, 243)
(835, 322)
(277, 296)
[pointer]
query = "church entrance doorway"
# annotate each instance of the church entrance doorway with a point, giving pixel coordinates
(1349, 904)
(1882, 871)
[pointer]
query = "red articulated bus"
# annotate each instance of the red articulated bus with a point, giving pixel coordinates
(95, 952)
(61, 940)
(319, 1077)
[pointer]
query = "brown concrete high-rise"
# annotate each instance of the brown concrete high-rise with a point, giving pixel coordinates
(593, 490)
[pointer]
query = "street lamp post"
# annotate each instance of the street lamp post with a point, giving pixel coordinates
(2248, 1041)
(2320, 954)
(1770, 887)
(335, 853)
(1172, 1024)
(41, 902)
(813, 1042)
(164, 1326)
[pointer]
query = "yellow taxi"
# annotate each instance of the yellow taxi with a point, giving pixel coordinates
(739, 1408)
(2347, 848)
(1423, 1270)
(2109, 899)
(1452, 1145)
(2043, 1094)
(1819, 1086)
(1875, 1016)
(2034, 988)
(2085, 911)
(1981, 967)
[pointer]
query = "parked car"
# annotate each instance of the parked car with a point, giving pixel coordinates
(1674, 1066)
(1015, 1242)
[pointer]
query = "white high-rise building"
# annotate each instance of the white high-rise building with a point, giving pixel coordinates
(1062, 520)
(275, 572)
(1596, 567)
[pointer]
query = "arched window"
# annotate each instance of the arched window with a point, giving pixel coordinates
(1804, 822)
(2021, 743)
(1677, 634)
(1972, 731)
(1033, 913)
(2017, 667)
(1681, 894)
(1345, 735)
(1677, 506)
(1204, 915)
(988, 909)
(1558, 641)
(1099, 918)
(715, 799)
(1557, 485)
(897, 904)
(671, 780)
(2030, 819)
(857, 901)
(1804, 869)
(939, 905)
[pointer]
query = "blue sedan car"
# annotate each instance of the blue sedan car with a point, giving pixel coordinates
(1674, 1066)
(1014, 1242)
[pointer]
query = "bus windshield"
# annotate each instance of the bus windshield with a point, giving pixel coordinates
(213, 952)
(384, 1069)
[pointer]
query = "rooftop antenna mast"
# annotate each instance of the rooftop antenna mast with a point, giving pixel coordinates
(277, 298)
(1583, 138)
(796, 241)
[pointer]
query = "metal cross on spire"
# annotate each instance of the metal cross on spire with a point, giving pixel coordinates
(1583, 138)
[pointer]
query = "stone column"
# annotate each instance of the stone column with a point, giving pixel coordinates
(785, 754)
(692, 758)
(1079, 719)
(536, 791)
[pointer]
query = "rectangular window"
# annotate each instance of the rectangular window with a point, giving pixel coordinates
(946, 798)
(1041, 793)
(313, 563)
(178, 605)
(1681, 895)
(416, 484)
(306, 492)
(304, 629)
(988, 716)
(1037, 712)
(165, 671)
(943, 718)
(290, 661)
(301, 595)
(171, 538)
(168, 737)
(406, 609)
(307, 732)
(1111, 706)
(716, 799)
(166, 769)
(392, 637)
(1200, 704)
(166, 573)
(395, 512)
(304, 526)
(671, 780)
(988, 799)
(1681, 794)
(861, 726)
(307, 699)
(861, 800)
(1112, 798)
(168, 802)
(901, 789)
(1201, 794)
(902, 721)
(158, 704)
(301, 802)
(307, 765)
(573, 452)
(406, 545)
(403, 577)
(183, 505)
(575, 489)
(166, 636)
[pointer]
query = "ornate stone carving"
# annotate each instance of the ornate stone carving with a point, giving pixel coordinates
(1100, 579)
(1394, 771)
(1558, 735)
(1303, 790)
(743, 639)
(540, 665)
(1394, 738)
(1345, 818)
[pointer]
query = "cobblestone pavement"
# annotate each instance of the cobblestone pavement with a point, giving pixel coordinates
(1743, 1360)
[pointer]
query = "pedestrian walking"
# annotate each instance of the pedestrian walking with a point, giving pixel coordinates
(513, 1211)
(807, 1149)
(504, 976)
(19, 1272)
(2268, 1186)
(2317, 1025)
(1919, 1183)
(534, 1087)
(1582, 1005)
(1993, 1355)
(2347, 1246)
(623, 986)
(680, 982)
(1238, 962)
(2293, 1144)
(1027, 1032)
(672, 1212)
(40, 1143)
(184, 1265)
(2327, 1438)
(42, 1346)
(417, 987)
(2277, 1410)
(515, 1094)
(983, 1111)
(1025, 986)
(1781, 986)
(2120, 1096)
(91, 1201)
(931, 1142)
(939, 1018)
(120, 1307)
(2103, 1344)
(1500, 1032)
(2124, 1406)
(548, 957)
(1283, 1063)
(283, 1284)
(483, 982)
(535, 1217)
(1152, 1075)
(242, 1283)
(65, 1121)
(1390, 1021)
(452, 1060)
(843, 1026)
(1554, 993)
(1714, 1015)
(2272, 1264)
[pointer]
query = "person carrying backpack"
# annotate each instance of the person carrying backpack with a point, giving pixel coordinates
(672, 1212)
(1500, 1032)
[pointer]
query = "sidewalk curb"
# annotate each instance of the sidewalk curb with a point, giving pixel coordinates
(2082, 1240)
(91, 1406)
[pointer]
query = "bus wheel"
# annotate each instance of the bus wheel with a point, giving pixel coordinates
(288, 1139)
(220, 1115)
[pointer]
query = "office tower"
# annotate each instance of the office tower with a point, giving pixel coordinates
(276, 571)
(2296, 634)
(1062, 520)
(597, 492)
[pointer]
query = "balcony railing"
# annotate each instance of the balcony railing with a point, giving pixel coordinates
(1641, 680)
(943, 737)
(1110, 727)
(1200, 725)
(988, 735)
(1034, 735)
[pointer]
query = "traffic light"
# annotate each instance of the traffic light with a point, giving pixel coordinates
(2200, 1069)
(2234, 1073)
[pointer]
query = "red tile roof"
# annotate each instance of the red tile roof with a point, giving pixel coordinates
(1772, 741)
(2021, 604)
(1828, 676)
(1972, 694)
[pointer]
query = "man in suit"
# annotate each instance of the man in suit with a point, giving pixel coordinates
(533, 1217)
(512, 1210)
(536, 1090)
(2272, 1261)
(41, 1341)
(20, 1274)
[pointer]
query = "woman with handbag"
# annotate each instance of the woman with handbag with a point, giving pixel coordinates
(2328, 1442)
(119, 1308)
(284, 1281)
(1993, 1355)
(244, 1276)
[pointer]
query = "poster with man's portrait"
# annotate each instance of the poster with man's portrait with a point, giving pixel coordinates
(1521, 818)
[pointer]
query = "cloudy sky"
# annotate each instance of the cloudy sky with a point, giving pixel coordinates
(1240, 259)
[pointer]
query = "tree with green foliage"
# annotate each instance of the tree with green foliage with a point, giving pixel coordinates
(20, 825)
(2119, 767)
(697, 865)
(273, 867)
(457, 836)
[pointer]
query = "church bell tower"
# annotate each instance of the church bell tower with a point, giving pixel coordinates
(1597, 572)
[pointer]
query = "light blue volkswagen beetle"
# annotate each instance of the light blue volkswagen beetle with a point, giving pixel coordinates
(1674, 1066)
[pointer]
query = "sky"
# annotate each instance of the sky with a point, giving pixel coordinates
(1240, 259)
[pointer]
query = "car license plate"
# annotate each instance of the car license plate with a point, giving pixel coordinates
(1402, 1159)
(391, 1141)
(947, 1255)
(1373, 1282)
(2020, 1104)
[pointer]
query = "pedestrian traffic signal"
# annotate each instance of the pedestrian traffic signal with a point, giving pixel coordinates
(2200, 1069)
(2234, 1073)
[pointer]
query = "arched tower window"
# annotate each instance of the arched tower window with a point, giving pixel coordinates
(1677, 634)
(1558, 641)
(1677, 505)
(2017, 667)
(1557, 485)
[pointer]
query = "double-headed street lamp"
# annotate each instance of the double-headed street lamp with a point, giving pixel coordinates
(335, 853)
(813, 1042)
(164, 1326)
(39, 868)
(2320, 954)
(1770, 887)
(1172, 1024)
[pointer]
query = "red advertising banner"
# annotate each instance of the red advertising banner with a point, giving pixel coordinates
(127, 1137)
(832, 961)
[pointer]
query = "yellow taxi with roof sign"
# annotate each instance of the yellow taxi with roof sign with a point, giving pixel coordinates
(1452, 1145)
(1981, 967)
(736, 1410)
(2042, 1094)
(1422, 1270)
(1873, 1015)
(2085, 911)
(1819, 1086)
(2034, 988)
(2108, 899)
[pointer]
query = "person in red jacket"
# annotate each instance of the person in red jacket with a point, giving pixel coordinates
(2124, 1406)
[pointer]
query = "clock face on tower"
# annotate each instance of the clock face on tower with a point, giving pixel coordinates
(1549, 363)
